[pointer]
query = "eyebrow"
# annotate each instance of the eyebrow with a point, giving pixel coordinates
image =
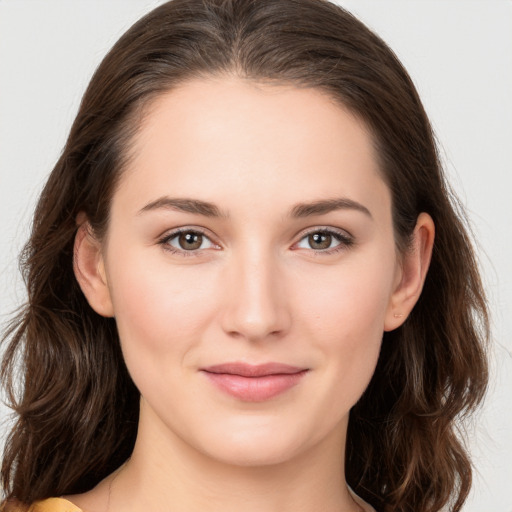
(327, 205)
(184, 205)
(299, 210)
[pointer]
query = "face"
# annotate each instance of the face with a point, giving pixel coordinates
(251, 268)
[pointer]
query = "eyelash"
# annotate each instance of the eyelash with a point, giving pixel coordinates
(164, 241)
(345, 241)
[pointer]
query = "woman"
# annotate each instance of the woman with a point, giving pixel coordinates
(233, 280)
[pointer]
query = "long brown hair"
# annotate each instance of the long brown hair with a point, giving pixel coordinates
(75, 404)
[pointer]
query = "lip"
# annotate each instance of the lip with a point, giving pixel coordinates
(254, 383)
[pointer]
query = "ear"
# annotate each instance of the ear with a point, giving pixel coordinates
(89, 268)
(412, 273)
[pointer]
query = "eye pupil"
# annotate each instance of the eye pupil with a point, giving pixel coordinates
(190, 241)
(320, 240)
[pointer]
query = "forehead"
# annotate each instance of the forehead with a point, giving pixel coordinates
(217, 137)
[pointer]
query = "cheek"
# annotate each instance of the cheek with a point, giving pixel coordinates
(350, 300)
(159, 309)
(345, 319)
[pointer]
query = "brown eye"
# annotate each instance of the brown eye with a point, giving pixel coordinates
(190, 241)
(325, 241)
(320, 241)
(187, 241)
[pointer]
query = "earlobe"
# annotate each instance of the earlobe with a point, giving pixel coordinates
(89, 268)
(413, 271)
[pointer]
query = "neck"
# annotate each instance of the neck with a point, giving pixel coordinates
(165, 472)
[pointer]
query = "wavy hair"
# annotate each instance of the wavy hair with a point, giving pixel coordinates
(76, 406)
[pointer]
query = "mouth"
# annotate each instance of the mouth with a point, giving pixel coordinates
(254, 383)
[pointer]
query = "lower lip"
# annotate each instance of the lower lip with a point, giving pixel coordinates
(255, 389)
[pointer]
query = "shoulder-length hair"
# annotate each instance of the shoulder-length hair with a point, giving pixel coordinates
(77, 408)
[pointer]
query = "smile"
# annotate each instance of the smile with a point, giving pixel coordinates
(254, 383)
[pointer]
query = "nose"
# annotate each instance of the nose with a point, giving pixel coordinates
(257, 306)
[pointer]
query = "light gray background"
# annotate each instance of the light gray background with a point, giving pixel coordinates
(458, 52)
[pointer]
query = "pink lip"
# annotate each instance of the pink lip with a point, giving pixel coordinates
(254, 383)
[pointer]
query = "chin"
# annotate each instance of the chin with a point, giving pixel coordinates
(257, 446)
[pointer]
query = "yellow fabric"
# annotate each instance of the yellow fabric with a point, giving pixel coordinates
(54, 505)
(49, 505)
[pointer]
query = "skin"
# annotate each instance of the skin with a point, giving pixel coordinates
(256, 290)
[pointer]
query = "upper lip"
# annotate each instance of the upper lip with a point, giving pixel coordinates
(253, 370)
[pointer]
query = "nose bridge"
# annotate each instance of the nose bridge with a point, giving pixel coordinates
(257, 305)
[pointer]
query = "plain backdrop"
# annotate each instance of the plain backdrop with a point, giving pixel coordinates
(459, 54)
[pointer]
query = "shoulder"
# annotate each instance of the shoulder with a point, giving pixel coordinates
(48, 505)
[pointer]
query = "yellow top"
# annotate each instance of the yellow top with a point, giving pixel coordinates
(49, 505)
